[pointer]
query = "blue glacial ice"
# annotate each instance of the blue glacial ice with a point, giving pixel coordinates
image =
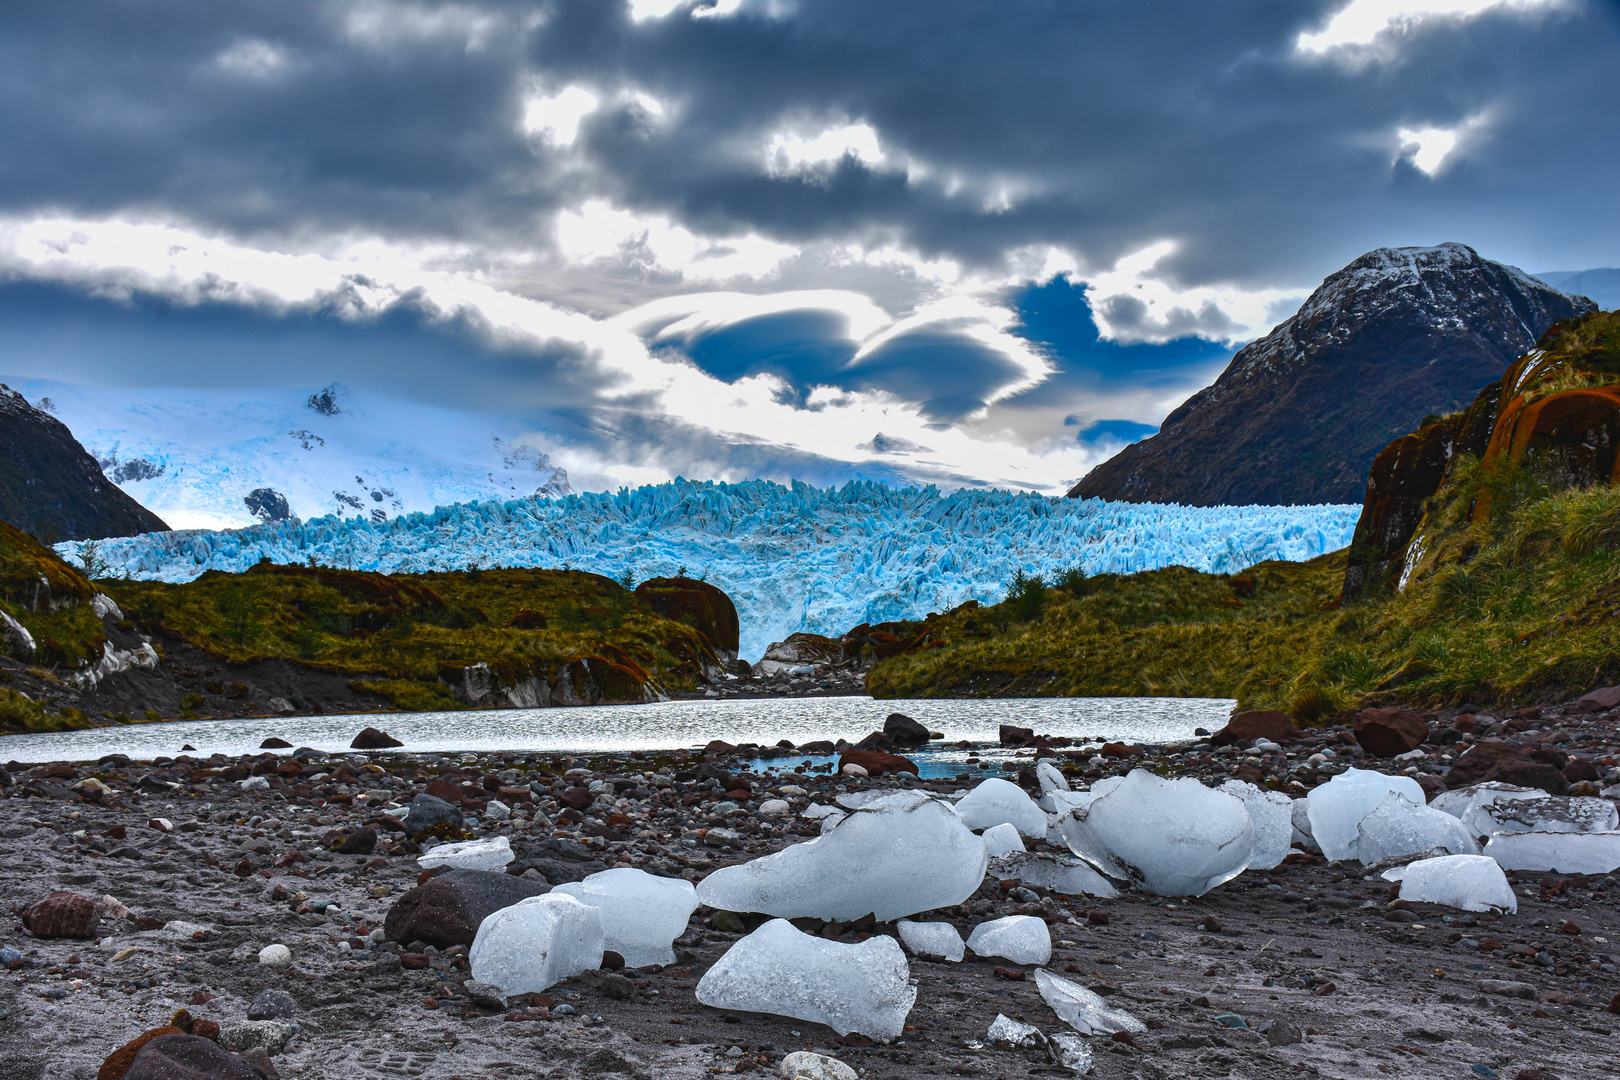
(792, 557)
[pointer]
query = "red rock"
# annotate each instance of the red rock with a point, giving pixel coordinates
(1012, 974)
(577, 797)
(205, 1029)
(373, 739)
(413, 960)
(1493, 760)
(1614, 1005)
(118, 1062)
(1016, 736)
(62, 915)
(274, 743)
(1323, 989)
(201, 997)
(1464, 722)
(876, 762)
(1257, 724)
(1569, 928)
(1120, 750)
(444, 789)
(718, 746)
(1387, 732)
(1550, 755)
(1579, 770)
(1598, 700)
(189, 1057)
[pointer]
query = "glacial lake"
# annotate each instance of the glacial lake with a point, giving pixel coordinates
(659, 726)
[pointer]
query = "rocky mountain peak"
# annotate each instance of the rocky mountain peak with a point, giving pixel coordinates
(1297, 417)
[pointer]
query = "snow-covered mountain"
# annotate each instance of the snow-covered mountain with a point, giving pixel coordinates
(1298, 415)
(791, 558)
(230, 458)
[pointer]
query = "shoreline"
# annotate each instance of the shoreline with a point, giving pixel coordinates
(238, 869)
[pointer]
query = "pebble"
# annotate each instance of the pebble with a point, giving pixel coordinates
(273, 1005)
(804, 1065)
(773, 808)
(276, 956)
(272, 1036)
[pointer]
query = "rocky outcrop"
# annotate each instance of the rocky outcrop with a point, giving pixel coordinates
(536, 684)
(268, 505)
(1555, 411)
(1299, 416)
(51, 487)
(703, 607)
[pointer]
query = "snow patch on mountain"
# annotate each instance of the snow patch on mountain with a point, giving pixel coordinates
(201, 458)
(791, 558)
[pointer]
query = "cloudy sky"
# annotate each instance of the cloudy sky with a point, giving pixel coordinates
(963, 243)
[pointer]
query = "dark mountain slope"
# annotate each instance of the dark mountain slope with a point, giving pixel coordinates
(51, 487)
(1297, 417)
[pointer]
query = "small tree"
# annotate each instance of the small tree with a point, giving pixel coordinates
(91, 558)
(1028, 594)
(627, 580)
(1073, 580)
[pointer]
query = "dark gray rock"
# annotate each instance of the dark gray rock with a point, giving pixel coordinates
(446, 910)
(427, 811)
(273, 1005)
(189, 1057)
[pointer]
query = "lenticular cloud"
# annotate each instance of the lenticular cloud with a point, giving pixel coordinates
(791, 557)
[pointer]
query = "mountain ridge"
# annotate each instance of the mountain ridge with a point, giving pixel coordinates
(1423, 328)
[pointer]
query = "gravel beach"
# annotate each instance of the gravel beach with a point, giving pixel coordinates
(196, 867)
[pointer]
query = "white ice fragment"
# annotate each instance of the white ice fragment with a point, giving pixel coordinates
(537, 942)
(1012, 1035)
(816, 811)
(1459, 801)
(1000, 839)
(1050, 776)
(1469, 882)
(1557, 852)
(642, 914)
(1550, 813)
(1398, 827)
(998, 802)
(1071, 1051)
(897, 855)
(1082, 1009)
(1171, 837)
(1272, 813)
(1023, 939)
(490, 854)
(1061, 802)
(1301, 818)
(779, 969)
(931, 939)
(1337, 807)
(1058, 873)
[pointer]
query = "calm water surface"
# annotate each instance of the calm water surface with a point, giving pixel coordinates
(659, 726)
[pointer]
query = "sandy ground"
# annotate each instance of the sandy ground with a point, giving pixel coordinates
(1310, 946)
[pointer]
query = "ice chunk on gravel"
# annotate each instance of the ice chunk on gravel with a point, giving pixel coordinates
(537, 942)
(1337, 807)
(1082, 1009)
(1398, 827)
(931, 939)
(642, 914)
(1557, 852)
(1460, 801)
(1010, 1034)
(1000, 802)
(1272, 813)
(1550, 813)
(779, 969)
(490, 854)
(1071, 1051)
(1469, 882)
(896, 855)
(1000, 839)
(1023, 939)
(1171, 837)
(1059, 873)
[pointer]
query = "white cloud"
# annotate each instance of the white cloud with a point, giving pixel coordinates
(1362, 23)
(1432, 149)
(687, 317)
(792, 151)
(252, 58)
(1131, 303)
(386, 24)
(599, 231)
(556, 118)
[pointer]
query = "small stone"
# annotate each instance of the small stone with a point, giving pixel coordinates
(1483, 1070)
(163, 825)
(495, 810)
(1211, 924)
(618, 987)
(1504, 988)
(270, 1035)
(611, 960)
(273, 1005)
(254, 783)
(486, 994)
(1282, 1033)
(61, 915)
(773, 808)
(854, 770)
(276, 956)
(804, 1065)
(1231, 1020)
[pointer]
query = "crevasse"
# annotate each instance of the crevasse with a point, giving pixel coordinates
(791, 557)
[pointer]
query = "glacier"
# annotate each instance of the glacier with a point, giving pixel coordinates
(792, 557)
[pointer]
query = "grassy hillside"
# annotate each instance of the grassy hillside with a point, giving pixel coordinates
(1512, 585)
(397, 635)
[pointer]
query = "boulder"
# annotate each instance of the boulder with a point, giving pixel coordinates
(1387, 732)
(876, 762)
(1498, 761)
(361, 841)
(1599, 700)
(274, 743)
(904, 731)
(1579, 769)
(373, 739)
(1016, 736)
(1258, 724)
(448, 909)
(428, 812)
(116, 1067)
(61, 915)
(189, 1057)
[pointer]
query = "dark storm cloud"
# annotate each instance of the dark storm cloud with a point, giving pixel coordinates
(1120, 123)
